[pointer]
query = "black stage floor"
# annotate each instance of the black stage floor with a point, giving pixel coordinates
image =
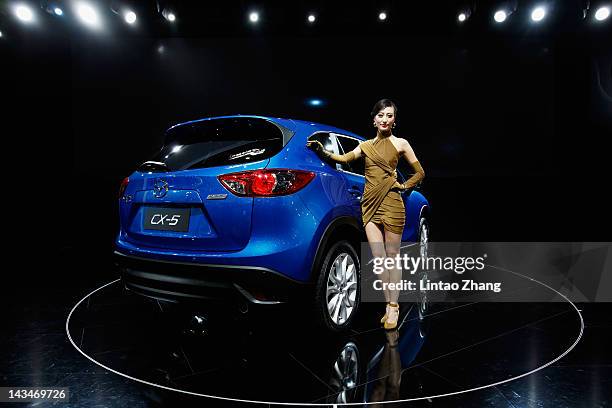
(464, 354)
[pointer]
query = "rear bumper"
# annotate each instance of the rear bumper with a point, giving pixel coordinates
(193, 282)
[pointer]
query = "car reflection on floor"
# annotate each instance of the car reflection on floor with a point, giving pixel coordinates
(280, 357)
(276, 357)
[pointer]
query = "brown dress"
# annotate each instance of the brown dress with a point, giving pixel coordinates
(381, 203)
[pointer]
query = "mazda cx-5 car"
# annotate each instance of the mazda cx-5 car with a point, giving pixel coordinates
(238, 208)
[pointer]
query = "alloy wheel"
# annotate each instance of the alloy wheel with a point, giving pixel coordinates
(341, 288)
(423, 238)
(345, 374)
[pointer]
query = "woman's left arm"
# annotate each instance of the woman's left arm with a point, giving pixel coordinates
(419, 173)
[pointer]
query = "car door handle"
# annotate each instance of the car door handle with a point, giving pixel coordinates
(355, 192)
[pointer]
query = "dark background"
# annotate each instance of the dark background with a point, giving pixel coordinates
(510, 122)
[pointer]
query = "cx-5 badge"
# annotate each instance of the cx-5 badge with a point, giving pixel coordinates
(216, 196)
(160, 188)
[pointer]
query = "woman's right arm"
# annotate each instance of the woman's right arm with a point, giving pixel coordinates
(338, 158)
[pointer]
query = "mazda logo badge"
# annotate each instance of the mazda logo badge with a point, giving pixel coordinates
(160, 188)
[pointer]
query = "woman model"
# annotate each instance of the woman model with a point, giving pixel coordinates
(382, 206)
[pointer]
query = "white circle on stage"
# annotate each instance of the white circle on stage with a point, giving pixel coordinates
(191, 393)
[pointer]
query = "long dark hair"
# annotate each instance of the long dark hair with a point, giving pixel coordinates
(382, 104)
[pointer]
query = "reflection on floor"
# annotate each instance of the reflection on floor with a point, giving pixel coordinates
(276, 355)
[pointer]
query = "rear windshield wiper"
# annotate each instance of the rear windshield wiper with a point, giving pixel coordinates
(153, 166)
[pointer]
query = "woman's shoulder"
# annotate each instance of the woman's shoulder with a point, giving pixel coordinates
(400, 142)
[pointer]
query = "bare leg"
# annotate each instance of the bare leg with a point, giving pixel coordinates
(392, 248)
(376, 241)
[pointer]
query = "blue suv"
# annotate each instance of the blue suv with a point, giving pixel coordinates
(237, 207)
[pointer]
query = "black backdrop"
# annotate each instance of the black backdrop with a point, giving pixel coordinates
(511, 129)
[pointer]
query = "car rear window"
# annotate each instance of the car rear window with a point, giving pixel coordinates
(220, 142)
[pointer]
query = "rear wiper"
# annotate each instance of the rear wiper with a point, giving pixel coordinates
(153, 166)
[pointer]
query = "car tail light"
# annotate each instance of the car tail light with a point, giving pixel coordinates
(266, 183)
(123, 186)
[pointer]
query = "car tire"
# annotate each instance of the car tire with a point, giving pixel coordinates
(339, 273)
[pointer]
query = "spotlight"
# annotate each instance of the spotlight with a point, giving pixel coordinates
(312, 18)
(382, 16)
(169, 15)
(464, 15)
(0, 34)
(87, 14)
(161, 49)
(500, 16)
(24, 13)
(130, 17)
(53, 7)
(602, 13)
(315, 102)
(538, 14)
(254, 17)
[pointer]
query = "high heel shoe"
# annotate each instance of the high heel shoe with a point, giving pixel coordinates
(384, 318)
(392, 316)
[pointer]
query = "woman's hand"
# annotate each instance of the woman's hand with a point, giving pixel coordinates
(315, 145)
(399, 186)
(336, 158)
